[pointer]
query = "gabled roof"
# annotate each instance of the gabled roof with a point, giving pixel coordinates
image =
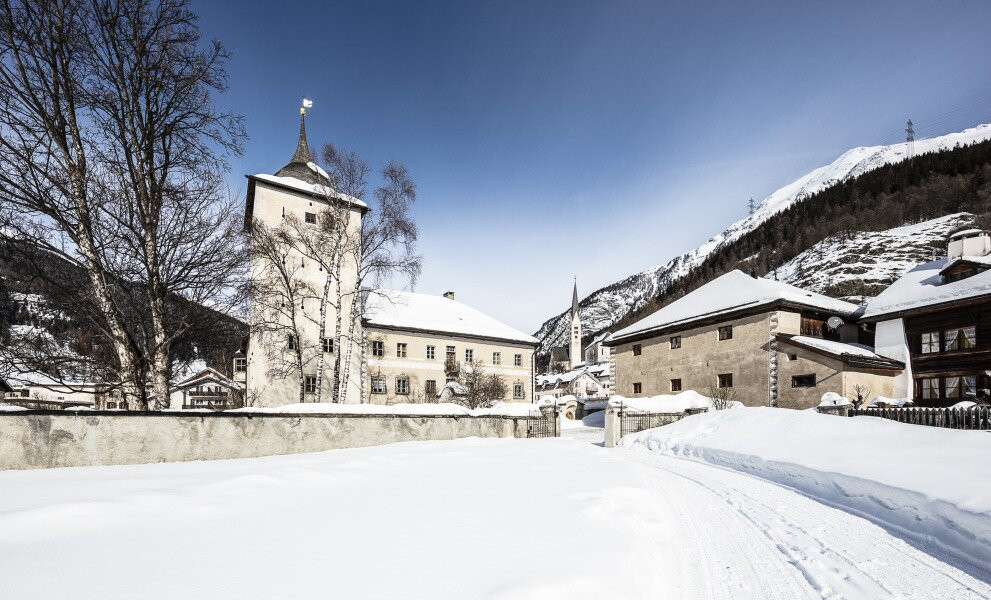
(854, 355)
(922, 289)
(409, 311)
(205, 375)
(732, 294)
(978, 261)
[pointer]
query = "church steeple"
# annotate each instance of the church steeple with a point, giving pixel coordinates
(300, 164)
(575, 347)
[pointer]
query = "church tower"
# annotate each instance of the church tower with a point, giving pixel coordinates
(575, 347)
(286, 347)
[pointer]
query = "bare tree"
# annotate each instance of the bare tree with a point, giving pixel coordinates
(722, 397)
(480, 387)
(863, 395)
(111, 157)
(278, 296)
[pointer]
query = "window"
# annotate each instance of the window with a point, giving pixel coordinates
(291, 342)
(792, 357)
(518, 360)
(960, 386)
(451, 358)
(803, 381)
(240, 365)
(930, 342)
(675, 342)
(327, 344)
(310, 384)
(726, 332)
(724, 380)
(310, 217)
(378, 349)
(676, 385)
(637, 349)
(497, 358)
(960, 339)
(637, 387)
(519, 392)
(402, 385)
(469, 355)
(930, 388)
(401, 350)
(430, 388)
(378, 384)
(430, 352)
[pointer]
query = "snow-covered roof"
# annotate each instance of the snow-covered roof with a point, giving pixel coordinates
(309, 188)
(425, 312)
(732, 292)
(976, 260)
(207, 374)
(556, 378)
(922, 287)
(832, 347)
(966, 233)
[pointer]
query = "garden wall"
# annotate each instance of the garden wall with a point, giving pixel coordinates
(44, 439)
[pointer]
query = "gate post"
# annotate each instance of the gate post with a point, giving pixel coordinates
(614, 415)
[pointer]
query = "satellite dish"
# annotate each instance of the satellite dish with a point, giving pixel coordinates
(834, 322)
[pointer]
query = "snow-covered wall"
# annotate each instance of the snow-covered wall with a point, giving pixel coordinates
(44, 440)
(890, 341)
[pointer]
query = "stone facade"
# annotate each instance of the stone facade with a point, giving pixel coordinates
(753, 358)
(417, 367)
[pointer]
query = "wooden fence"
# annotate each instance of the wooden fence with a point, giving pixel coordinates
(976, 417)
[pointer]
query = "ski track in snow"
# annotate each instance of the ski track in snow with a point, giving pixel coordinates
(749, 538)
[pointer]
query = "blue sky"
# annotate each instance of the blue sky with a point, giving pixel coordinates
(555, 139)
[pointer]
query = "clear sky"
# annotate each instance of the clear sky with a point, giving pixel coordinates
(555, 139)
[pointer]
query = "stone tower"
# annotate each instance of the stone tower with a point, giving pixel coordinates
(575, 347)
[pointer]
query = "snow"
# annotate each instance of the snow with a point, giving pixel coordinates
(835, 348)
(834, 399)
(423, 520)
(924, 482)
(923, 286)
(425, 312)
(608, 305)
(494, 519)
(964, 404)
(873, 259)
(666, 403)
(879, 400)
(729, 292)
(10, 408)
(509, 409)
(309, 188)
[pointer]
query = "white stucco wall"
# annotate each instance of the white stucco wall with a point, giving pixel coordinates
(890, 341)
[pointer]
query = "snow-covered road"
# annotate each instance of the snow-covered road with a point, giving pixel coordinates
(744, 537)
(462, 519)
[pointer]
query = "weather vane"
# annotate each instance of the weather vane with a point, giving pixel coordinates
(307, 103)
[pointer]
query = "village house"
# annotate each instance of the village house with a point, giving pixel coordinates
(207, 388)
(591, 381)
(597, 352)
(415, 344)
(936, 319)
(758, 341)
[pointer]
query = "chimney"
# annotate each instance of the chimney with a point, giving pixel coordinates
(970, 242)
(449, 295)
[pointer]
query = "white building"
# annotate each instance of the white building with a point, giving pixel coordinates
(301, 190)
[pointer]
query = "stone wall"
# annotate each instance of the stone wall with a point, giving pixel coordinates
(44, 439)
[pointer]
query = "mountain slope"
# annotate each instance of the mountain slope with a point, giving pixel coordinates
(617, 302)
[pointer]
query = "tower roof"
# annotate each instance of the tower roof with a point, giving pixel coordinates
(301, 165)
(574, 299)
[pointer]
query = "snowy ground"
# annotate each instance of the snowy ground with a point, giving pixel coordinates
(463, 519)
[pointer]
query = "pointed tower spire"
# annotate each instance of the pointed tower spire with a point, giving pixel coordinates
(301, 165)
(574, 298)
(575, 346)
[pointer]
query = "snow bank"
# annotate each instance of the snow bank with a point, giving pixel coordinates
(889, 401)
(929, 484)
(11, 408)
(507, 409)
(666, 403)
(834, 399)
